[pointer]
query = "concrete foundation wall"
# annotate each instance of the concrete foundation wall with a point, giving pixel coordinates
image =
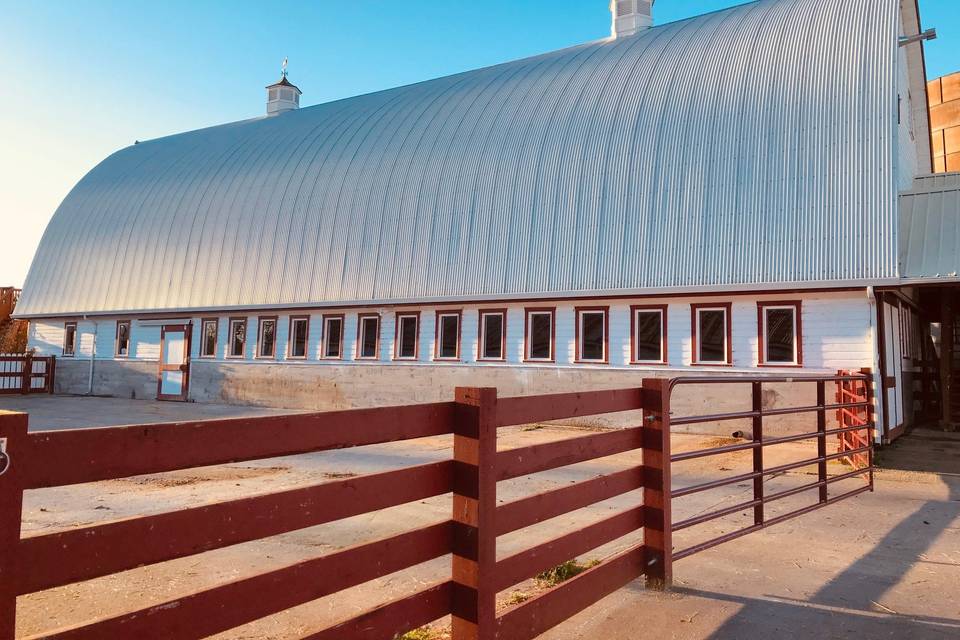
(351, 386)
(118, 378)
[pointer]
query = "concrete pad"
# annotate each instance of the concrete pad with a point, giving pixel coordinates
(71, 412)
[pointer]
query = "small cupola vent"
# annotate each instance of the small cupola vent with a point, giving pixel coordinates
(282, 96)
(630, 17)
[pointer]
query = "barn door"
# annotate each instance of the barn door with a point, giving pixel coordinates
(174, 375)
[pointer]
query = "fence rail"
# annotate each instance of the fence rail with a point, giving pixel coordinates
(26, 373)
(469, 536)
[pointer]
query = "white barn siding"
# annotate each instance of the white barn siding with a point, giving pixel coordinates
(836, 330)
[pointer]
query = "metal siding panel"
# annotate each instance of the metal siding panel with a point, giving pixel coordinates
(741, 147)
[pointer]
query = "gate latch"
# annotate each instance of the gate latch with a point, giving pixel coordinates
(4, 456)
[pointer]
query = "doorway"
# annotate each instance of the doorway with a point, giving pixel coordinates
(173, 378)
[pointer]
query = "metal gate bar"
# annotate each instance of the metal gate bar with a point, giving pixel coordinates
(760, 442)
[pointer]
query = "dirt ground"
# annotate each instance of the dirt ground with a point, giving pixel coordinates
(880, 565)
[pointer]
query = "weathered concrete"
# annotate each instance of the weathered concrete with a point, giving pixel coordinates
(330, 387)
(72, 412)
(119, 378)
(324, 387)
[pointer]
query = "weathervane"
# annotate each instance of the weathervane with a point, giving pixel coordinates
(283, 68)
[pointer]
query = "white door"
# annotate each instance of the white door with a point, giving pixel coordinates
(174, 373)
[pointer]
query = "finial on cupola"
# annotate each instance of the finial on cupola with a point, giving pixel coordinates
(282, 96)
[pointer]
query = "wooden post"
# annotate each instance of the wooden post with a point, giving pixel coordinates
(51, 373)
(13, 432)
(26, 374)
(946, 358)
(657, 532)
(474, 543)
(822, 438)
(758, 452)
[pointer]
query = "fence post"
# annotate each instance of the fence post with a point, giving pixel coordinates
(822, 438)
(870, 416)
(657, 533)
(26, 374)
(13, 431)
(51, 373)
(474, 543)
(757, 392)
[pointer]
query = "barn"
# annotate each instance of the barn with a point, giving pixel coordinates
(720, 195)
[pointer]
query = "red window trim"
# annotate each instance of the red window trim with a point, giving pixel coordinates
(76, 334)
(695, 348)
(553, 333)
(578, 311)
(396, 336)
(324, 335)
(503, 334)
(359, 351)
(256, 351)
(116, 340)
(797, 333)
(229, 345)
(436, 333)
(216, 336)
(664, 353)
(306, 341)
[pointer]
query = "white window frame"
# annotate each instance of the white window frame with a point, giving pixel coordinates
(76, 338)
(766, 336)
(726, 311)
(324, 344)
(398, 337)
(439, 335)
(229, 346)
(362, 336)
(203, 336)
(261, 324)
(116, 339)
(528, 343)
(636, 336)
(483, 336)
(306, 335)
(605, 318)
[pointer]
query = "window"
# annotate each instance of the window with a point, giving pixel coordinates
(332, 337)
(408, 333)
(69, 338)
(539, 335)
(238, 337)
(779, 339)
(267, 337)
(121, 345)
(447, 336)
(208, 337)
(711, 334)
(591, 334)
(297, 340)
(493, 335)
(649, 329)
(368, 337)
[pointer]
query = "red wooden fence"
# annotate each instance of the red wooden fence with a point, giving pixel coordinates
(26, 373)
(58, 458)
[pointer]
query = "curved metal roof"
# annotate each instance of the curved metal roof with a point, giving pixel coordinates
(751, 145)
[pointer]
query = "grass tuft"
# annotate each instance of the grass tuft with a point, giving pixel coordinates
(563, 572)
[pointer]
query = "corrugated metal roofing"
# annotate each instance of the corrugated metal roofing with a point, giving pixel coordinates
(930, 227)
(751, 145)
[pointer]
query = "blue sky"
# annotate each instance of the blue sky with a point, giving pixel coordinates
(83, 79)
